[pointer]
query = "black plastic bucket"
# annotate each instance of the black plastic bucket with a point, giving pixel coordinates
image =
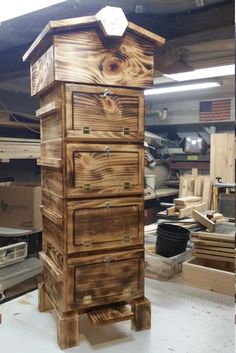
(171, 239)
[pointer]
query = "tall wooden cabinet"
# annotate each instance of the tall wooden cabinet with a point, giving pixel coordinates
(90, 73)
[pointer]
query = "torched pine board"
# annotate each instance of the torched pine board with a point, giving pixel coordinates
(109, 113)
(93, 225)
(88, 57)
(92, 170)
(90, 281)
(106, 173)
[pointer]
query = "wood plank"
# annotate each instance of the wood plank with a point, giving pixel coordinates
(216, 257)
(187, 211)
(49, 108)
(50, 162)
(55, 218)
(198, 186)
(210, 243)
(214, 236)
(187, 200)
(207, 191)
(110, 315)
(203, 220)
(220, 249)
(222, 160)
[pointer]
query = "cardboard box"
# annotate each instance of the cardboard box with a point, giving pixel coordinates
(217, 276)
(20, 206)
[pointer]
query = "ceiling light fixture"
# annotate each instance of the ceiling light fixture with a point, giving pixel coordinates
(15, 8)
(181, 88)
(209, 72)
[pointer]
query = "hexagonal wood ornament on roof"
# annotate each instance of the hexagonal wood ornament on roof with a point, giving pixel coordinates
(112, 21)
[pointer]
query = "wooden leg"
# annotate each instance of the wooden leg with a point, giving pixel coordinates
(44, 303)
(68, 329)
(142, 314)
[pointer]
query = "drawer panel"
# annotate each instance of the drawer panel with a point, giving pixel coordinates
(104, 113)
(105, 224)
(104, 169)
(104, 279)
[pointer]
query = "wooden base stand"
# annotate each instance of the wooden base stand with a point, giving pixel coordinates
(142, 314)
(68, 323)
(68, 329)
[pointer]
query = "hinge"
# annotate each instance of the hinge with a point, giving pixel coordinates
(127, 185)
(86, 130)
(127, 291)
(126, 238)
(87, 187)
(126, 131)
(87, 299)
(87, 243)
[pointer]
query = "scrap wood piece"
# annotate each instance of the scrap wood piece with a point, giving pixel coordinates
(198, 186)
(207, 191)
(187, 211)
(187, 200)
(203, 220)
(217, 217)
(170, 211)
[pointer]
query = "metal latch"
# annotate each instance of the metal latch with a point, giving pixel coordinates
(126, 131)
(126, 238)
(87, 187)
(107, 151)
(107, 204)
(108, 260)
(86, 130)
(87, 243)
(106, 92)
(127, 185)
(87, 299)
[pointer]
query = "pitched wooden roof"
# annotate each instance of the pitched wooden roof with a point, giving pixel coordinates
(44, 39)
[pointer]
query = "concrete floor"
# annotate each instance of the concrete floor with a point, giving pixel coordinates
(184, 320)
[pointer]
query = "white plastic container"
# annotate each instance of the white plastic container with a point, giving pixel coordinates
(12, 254)
(150, 180)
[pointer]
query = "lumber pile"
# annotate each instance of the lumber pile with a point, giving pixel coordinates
(18, 120)
(196, 185)
(184, 206)
(218, 245)
(19, 148)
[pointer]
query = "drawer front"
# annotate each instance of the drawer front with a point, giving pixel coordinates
(99, 113)
(105, 224)
(104, 169)
(104, 279)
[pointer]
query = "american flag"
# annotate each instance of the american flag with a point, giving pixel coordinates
(215, 110)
